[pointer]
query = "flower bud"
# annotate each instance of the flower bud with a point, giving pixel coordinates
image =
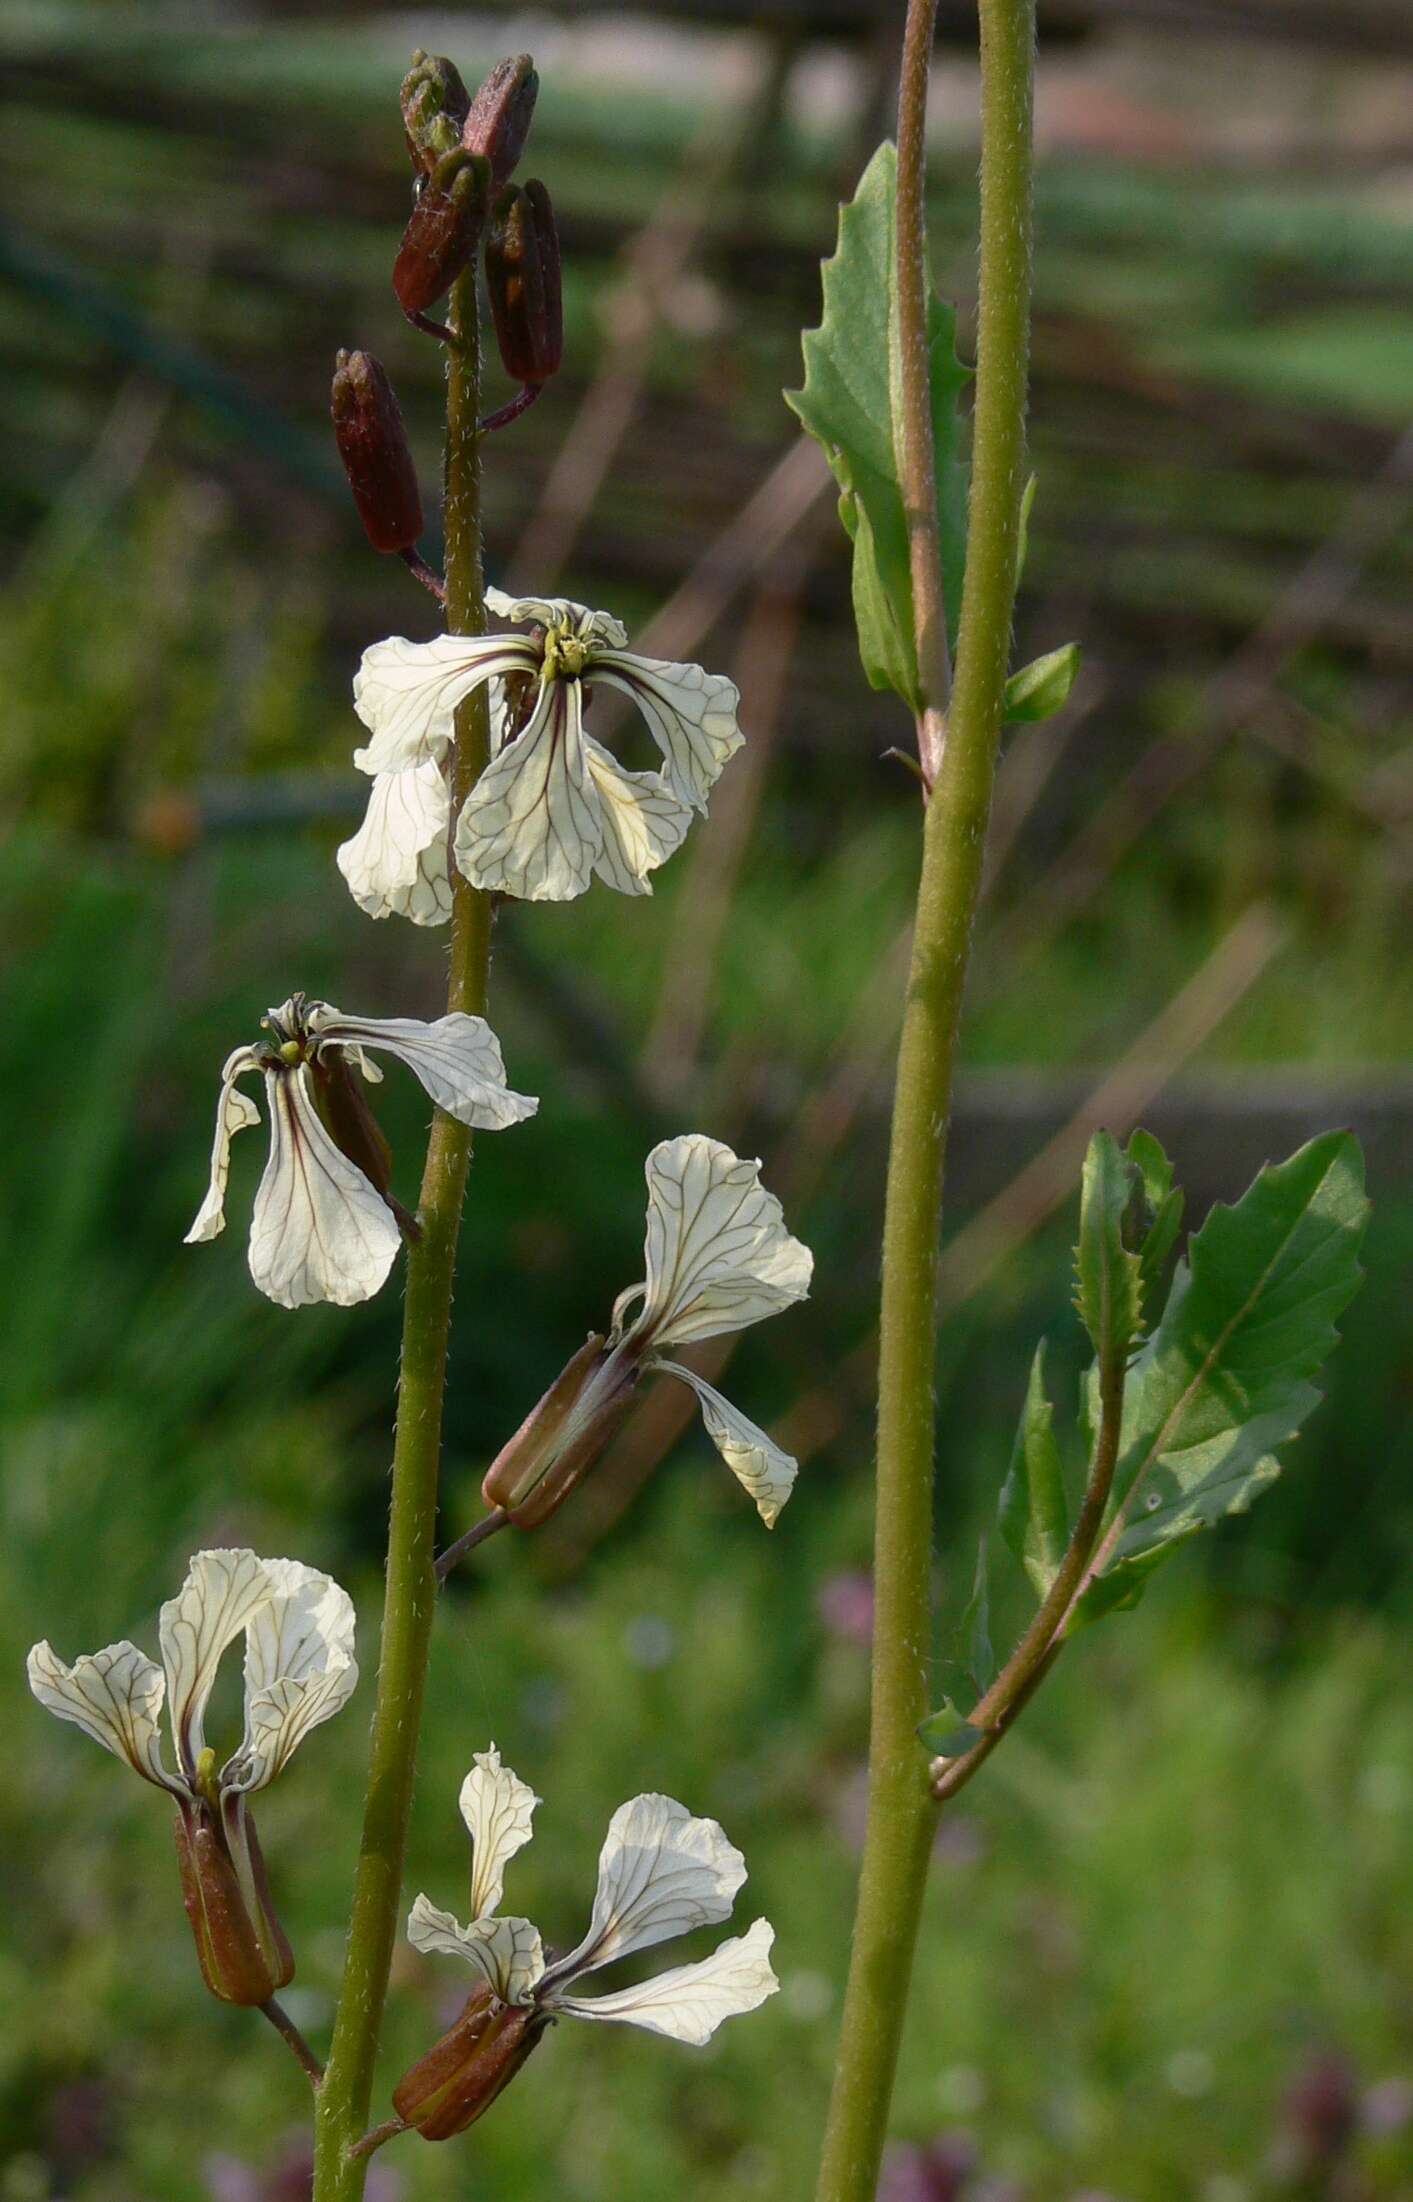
(561, 1437)
(435, 103)
(462, 2074)
(499, 121)
(240, 1944)
(376, 457)
(444, 230)
(522, 277)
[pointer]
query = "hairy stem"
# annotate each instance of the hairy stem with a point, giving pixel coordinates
(917, 459)
(410, 1594)
(900, 1810)
(283, 2024)
(1034, 1655)
(379, 2137)
(488, 1526)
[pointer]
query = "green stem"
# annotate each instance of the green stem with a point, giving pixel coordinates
(1037, 1650)
(899, 1831)
(410, 1593)
(917, 458)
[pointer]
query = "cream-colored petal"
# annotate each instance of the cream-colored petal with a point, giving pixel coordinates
(396, 865)
(457, 1058)
(499, 1809)
(533, 824)
(767, 1472)
(661, 1873)
(691, 715)
(299, 1669)
(643, 822)
(115, 1696)
(406, 693)
(690, 2002)
(558, 611)
(319, 1229)
(223, 1589)
(717, 1253)
(507, 1953)
(235, 1112)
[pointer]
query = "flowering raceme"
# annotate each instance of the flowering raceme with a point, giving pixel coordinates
(324, 1225)
(717, 1257)
(552, 808)
(299, 1669)
(661, 1873)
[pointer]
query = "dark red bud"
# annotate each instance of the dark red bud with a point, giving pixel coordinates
(444, 231)
(462, 2074)
(499, 121)
(376, 457)
(522, 278)
(240, 1944)
(562, 1435)
(435, 104)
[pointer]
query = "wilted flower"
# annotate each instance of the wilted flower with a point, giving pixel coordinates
(553, 807)
(324, 1226)
(299, 1669)
(717, 1257)
(661, 1873)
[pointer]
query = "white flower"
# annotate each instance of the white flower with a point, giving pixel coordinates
(717, 1257)
(322, 1228)
(299, 1669)
(661, 1873)
(553, 807)
(397, 864)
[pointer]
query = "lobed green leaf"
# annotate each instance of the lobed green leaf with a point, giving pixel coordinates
(1108, 1287)
(1163, 1202)
(1224, 1380)
(1033, 1511)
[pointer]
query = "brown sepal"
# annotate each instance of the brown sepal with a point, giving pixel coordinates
(499, 120)
(375, 452)
(444, 230)
(523, 282)
(241, 1947)
(462, 2074)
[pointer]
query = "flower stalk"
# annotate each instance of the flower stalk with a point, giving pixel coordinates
(411, 1585)
(900, 1822)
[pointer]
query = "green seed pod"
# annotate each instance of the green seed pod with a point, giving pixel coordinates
(499, 119)
(375, 453)
(444, 231)
(523, 280)
(462, 2074)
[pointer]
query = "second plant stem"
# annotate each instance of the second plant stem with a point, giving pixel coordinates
(410, 1596)
(899, 1830)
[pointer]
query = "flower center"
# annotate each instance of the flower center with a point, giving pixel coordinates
(565, 655)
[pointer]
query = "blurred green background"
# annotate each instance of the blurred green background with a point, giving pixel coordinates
(1169, 1944)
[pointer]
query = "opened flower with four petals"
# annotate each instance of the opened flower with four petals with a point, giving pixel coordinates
(661, 1873)
(553, 808)
(324, 1225)
(299, 1670)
